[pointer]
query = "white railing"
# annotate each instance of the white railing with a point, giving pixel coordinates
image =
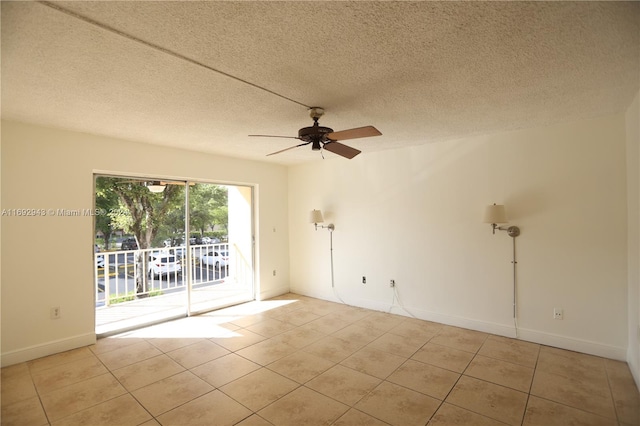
(126, 275)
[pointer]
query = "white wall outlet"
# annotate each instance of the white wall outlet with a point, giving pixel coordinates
(557, 313)
(364, 279)
(54, 313)
(392, 283)
(274, 272)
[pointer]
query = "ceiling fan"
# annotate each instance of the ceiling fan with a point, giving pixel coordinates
(325, 138)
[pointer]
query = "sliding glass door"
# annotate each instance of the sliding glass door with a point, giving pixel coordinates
(166, 249)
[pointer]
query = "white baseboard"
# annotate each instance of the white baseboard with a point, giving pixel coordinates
(268, 294)
(45, 349)
(506, 330)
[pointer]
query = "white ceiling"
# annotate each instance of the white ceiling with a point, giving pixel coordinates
(420, 72)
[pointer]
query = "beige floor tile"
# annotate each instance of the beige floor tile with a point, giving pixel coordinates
(511, 350)
(298, 317)
(572, 364)
(267, 352)
(16, 384)
(122, 411)
(503, 373)
(152, 422)
(355, 417)
(300, 337)
(67, 374)
(459, 338)
(303, 407)
(254, 420)
(73, 398)
(490, 400)
(171, 392)
(172, 343)
(541, 412)
(301, 366)
(108, 344)
(374, 362)
(344, 384)
(352, 314)
(332, 348)
(576, 392)
(381, 321)
(412, 327)
(443, 357)
(225, 369)
(259, 388)
(50, 361)
(397, 405)
(450, 415)
(270, 327)
(425, 378)
(213, 408)
(128, 355)
(197, 354)
(238, 339)
(398, 345)
(145, 372)
(14, 370)
(27, 412)
(357, 334)
(327, 325)
(624, 391)
(245, 321)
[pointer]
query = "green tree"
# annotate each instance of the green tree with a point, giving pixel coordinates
(146, 210)
(106, 203)
(208, 207)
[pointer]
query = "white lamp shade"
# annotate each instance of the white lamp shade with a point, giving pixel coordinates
(156, 188)
(316, 216)
(495, 214)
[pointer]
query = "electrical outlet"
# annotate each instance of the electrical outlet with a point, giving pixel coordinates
(54, 313)
(557, 313)
(392, 283)
(364, 279)
(274, 272)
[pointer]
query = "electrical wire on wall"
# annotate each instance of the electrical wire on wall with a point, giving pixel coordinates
(515, 294)
(396, 296)
(333, 282)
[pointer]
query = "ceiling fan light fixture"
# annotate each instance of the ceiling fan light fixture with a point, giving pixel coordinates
(156, 187)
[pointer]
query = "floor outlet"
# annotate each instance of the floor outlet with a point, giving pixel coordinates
(557, 313)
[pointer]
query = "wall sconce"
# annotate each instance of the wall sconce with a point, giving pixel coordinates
(495, 214)
(316, 217)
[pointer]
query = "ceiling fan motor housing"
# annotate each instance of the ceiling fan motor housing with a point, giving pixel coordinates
(314, 134)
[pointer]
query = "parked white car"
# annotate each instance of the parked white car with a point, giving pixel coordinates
(215, 259)
(163, 264)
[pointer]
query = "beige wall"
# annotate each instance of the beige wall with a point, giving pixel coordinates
(47, 261)
(415, 215)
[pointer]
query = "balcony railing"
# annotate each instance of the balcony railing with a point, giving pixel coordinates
(128, 275)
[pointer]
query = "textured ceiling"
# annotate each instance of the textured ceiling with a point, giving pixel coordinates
(420, 72)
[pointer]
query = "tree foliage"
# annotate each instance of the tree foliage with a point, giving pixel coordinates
(154, 217)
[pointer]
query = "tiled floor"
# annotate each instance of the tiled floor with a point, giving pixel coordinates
(300, 361)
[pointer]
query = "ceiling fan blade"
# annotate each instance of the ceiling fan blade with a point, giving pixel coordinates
(287, 149)
(341, 149)
(359, 132)
(274, 136)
